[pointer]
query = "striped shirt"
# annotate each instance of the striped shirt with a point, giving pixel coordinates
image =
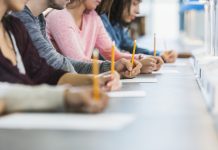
(36, 28)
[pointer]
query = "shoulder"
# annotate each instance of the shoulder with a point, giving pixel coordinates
(25, 15)
(58, 14)
(105, 20)
(104, 17)
(13, 24)
(58, 17)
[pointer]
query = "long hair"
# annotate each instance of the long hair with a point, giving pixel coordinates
(104, 7)
(6, 22)
(114, 9)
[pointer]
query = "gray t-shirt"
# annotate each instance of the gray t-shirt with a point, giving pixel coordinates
(36, 27)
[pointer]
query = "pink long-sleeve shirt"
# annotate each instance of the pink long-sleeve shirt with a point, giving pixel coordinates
(77, 43)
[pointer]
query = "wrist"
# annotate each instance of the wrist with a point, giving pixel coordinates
(2, 107)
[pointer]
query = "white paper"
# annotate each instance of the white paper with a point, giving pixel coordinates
(177, 64)
(127, 94)
(140, 80)
(166, 71)
(27, 121)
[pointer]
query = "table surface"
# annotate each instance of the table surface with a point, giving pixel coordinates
(173, 116)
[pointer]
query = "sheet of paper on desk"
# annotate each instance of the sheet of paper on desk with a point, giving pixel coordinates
(166, 71)
(28, 121)
(127, 94)
(177, 64)
(140, 80)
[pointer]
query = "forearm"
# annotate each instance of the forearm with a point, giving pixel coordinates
(75, 79)
(145, 51)
(86, 68)
(28, 98)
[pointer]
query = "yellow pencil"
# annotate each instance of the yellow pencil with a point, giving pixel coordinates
(155, 49)
(113, 58)
(133, 53)
(95, 70)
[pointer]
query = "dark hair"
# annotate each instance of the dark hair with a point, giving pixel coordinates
(104, 7)
(6, 22)
(114, 9)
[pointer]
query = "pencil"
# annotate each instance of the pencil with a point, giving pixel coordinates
(133, 53)
(113, 58)
(95, 70)
(155, 49)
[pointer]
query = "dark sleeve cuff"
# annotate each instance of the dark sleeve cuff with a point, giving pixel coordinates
(54, 78)
(105, 66)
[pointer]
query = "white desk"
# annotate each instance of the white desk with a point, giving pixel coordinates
(173, 116)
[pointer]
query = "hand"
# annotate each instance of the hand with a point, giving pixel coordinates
(148, 65)
(106, 80)
(159, 63)
(110, 82)
(81, 100)
(169, 56)
(126, 70)
(75, 79)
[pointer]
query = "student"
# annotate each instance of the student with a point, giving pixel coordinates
(116, 16)
(20, 63)
(35, 24)
(14, 98)
(77, 30)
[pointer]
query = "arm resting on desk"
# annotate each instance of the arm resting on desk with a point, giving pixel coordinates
(18, 97)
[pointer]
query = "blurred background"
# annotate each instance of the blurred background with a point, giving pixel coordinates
(174, 21)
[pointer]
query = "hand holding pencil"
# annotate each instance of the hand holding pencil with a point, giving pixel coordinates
(125, 68)
(81, 100)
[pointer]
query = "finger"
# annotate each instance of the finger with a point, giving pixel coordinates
(99, 106)
(160, 60)
(107, 78)
(128, 75)
(113, 84)
(127, 64)
(152, 64)
(137, 72)
(152, 59)
(137, 64)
